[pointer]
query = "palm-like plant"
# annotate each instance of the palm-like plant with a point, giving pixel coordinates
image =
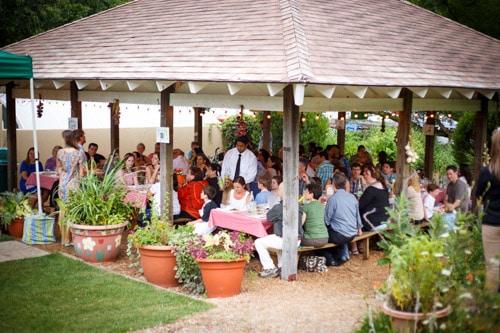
(97, 201)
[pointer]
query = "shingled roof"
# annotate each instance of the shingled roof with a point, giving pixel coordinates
(389, 43)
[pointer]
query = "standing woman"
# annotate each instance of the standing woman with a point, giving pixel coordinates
(70, 167)
(126, 175)
(374, 199)
(488, 190)
(153, 170)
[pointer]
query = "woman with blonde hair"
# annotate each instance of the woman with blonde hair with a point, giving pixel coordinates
(416, 212)
(488, 192)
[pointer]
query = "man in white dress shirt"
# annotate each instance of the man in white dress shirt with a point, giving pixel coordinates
(180, 161)
(247, 165)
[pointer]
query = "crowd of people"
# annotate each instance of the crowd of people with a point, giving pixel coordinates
(340, 197)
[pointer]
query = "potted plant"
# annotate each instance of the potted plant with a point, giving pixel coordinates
(221, 258)
(419, 282)
(97, 215)
(14, 207)
(151, 244)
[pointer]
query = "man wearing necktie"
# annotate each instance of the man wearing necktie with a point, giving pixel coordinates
(239, 161)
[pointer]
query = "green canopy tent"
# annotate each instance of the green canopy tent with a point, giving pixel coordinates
(14, 66)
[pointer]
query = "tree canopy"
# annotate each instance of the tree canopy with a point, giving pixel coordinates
(20, 19)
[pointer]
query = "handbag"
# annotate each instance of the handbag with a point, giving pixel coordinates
(313, 264)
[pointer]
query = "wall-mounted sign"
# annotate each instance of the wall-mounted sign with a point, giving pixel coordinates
(163, 134)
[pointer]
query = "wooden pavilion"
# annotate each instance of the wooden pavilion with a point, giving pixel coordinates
(269, 55)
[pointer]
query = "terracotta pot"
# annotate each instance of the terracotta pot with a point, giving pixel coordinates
(16, 227)
(97, 243)
(222, 278)
(405, 321)
(158, 263)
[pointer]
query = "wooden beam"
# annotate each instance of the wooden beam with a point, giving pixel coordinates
(114, 124)
(266, 132)
(11, 138)
(291, 185)
(341, 133)
(198, 125)
(166, 156)
(404, 125)
(429, 147)
(76, 105)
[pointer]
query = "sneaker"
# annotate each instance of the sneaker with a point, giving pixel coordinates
(267, 273)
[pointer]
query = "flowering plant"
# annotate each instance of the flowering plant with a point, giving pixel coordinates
(156, 231)
(222, 245)
(420, 272)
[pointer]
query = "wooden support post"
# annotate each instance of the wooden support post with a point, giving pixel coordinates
(166, 156)
(198, 126)
(266, 131)
(404, 123)
(341, 133)
(11, 138)
(115, 125)
(291, 185)
(429, 147)
(76, 105)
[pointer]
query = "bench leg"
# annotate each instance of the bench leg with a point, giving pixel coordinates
(366, 248)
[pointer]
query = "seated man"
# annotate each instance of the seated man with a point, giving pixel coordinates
(275, 215)
(343, 221)
(92, 155)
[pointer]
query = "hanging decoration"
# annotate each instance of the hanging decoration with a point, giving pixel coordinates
(241, 126)
(411, 155)
(115, 110)
(39, 107)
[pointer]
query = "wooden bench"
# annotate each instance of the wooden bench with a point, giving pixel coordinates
(181, 220)
(364, 238)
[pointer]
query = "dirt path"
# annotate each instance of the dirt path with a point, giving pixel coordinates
(333, 301)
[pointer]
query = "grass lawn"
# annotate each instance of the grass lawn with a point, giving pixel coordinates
(5, 238)
(54, 293)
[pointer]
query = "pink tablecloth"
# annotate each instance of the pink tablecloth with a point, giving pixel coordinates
(239, 221)
(46, 181)
(138, 199)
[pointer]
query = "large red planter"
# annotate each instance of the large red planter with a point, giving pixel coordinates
(158, 263)
(97, 243)
(222, 278)
(16, 227)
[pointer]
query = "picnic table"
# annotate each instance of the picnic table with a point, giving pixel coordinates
(47, 179)
(255, 225)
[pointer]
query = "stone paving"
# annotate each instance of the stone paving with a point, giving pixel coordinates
(14, 250)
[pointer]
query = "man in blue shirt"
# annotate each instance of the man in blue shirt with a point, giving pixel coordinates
(342, 220)
(324, 171)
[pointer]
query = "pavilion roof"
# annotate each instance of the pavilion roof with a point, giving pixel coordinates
(323, 42)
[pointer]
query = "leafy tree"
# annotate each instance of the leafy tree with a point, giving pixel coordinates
(21, 19)
(481, 15)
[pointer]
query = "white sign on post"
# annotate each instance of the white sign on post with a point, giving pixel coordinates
(72, 124)
(163, 134)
